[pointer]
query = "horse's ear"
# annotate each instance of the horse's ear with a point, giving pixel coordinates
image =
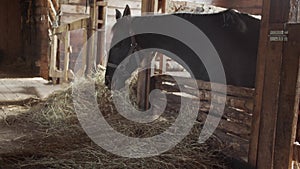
(118, 14)
(127, 11)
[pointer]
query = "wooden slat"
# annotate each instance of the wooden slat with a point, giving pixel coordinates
(164, 6)
(202, 85)
(101, 3)
(282, 15)
(84, 53)
(53, 56)
(77, 9)
(259, 88)
(149, 5)
(143, 82)
(92, 28)
(67, 18)
(52, 10)
(102, 22)
(270, 104)
(238, 129)
(66, 57)
(238, 102)
(55, 5)
(80, 2)
(268, 88)
(288, 101)
(82, 23)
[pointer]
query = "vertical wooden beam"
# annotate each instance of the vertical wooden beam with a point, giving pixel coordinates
(271, 90)
(67, 57)
(53, 57)
(162, 58)
(269, 103)
(92, 28)
(101, 22)
(143, 83)
(288, 101)
(164, 6)
(260, 76)
(84, 51)
(149, 5)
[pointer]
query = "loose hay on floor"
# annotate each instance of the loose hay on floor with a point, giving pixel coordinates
(55, 138)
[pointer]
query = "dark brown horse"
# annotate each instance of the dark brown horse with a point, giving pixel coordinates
(234, 35)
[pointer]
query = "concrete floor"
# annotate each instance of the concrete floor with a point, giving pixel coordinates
(19, 89)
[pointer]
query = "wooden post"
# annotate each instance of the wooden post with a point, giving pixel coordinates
(274, 116)
(53, 56)
(288, 101)
(149, 5)
(92, 28)
(85, 51)
(260, 75)
(40, 37)
(162, 58)
(164, 6)
(143, 83)
(67, 57)
(101, 22)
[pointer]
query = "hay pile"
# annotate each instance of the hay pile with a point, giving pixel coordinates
(55, 138)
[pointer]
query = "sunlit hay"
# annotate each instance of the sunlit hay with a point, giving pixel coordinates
(61, 143)
(132, 83)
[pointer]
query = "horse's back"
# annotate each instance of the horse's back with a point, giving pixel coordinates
(235, 37)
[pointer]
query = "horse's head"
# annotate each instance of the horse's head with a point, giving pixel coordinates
(119, 49)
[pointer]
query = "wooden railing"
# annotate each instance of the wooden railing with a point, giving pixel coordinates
(89, 25)
(236, 97)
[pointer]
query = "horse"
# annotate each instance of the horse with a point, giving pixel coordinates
(234, 35)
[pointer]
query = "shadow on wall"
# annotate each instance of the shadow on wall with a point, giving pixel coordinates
(1, 56)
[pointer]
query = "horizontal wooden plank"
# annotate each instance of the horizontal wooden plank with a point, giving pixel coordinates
(79, 2)
(234, 127)
(230, 114)
(231, 90)
(69, 18)
(245, 104)
(101, 3)
(110, 3)
(77, 9)
(133, 4)
(72, 26)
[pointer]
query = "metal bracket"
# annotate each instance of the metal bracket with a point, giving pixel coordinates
(278, 35)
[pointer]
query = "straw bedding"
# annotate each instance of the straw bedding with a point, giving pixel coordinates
(55, 139)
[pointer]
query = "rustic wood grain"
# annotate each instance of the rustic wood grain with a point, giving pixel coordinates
(288, 101)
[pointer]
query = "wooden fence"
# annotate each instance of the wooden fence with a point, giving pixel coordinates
(235, 125)
(89, 25)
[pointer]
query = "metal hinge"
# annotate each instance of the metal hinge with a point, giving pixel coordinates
(278, 35)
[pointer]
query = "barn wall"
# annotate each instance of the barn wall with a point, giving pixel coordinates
(10, 29)
(35, 36)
